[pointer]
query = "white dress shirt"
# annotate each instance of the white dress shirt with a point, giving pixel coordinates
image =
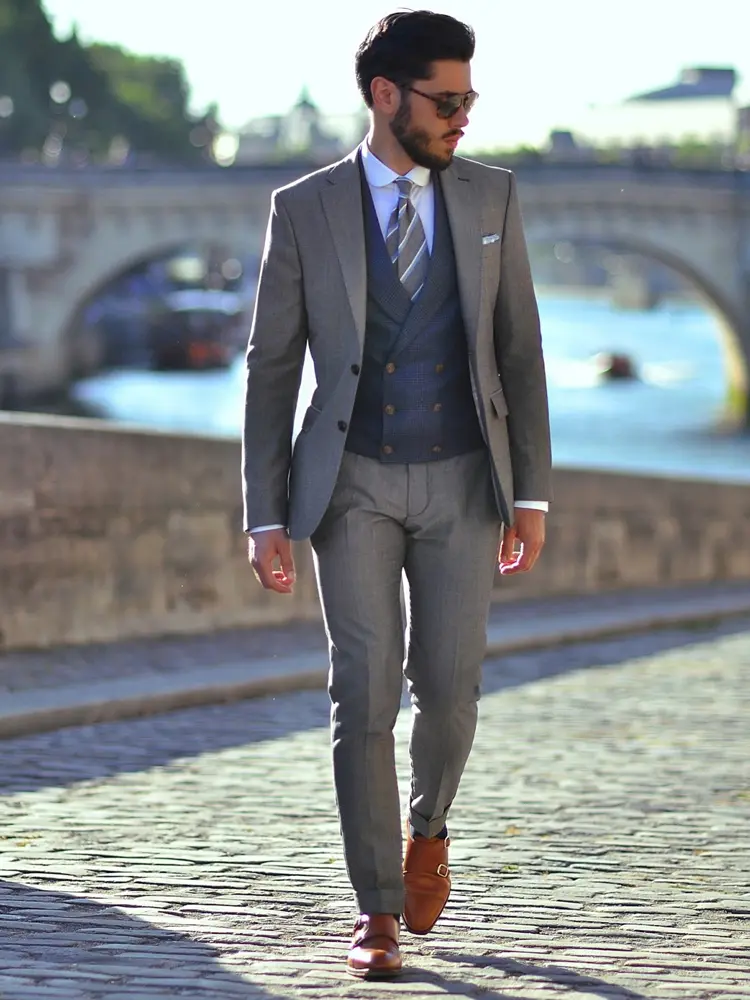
(384, 191)
(382, 183)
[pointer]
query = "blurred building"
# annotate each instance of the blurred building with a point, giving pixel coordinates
(701, 106)
(304, 132)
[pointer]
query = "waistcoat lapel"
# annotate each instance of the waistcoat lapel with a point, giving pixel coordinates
(383, 283)
(439, 277)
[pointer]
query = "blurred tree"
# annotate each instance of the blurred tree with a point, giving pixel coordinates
(26, 56)
(152, 95)
(106, 99)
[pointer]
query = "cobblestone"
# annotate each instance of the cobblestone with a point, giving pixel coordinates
(601, 843)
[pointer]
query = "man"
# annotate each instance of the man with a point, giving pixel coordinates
(405, 271)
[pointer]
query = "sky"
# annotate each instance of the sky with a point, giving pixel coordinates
(539, 64)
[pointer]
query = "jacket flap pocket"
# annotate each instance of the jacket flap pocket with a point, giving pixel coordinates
(499, 403)
(311, 415)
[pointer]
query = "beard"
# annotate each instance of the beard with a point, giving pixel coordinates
(415, 142)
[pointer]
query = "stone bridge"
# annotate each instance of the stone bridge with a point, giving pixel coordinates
(65, 234)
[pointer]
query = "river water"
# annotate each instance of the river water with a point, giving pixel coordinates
(662, 423)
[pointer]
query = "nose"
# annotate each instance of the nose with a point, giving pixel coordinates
(460, 119)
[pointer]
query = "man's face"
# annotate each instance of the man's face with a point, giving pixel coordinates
(428, 140)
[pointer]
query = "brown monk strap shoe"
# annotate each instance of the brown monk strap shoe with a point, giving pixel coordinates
(374, 953)
(427, 880)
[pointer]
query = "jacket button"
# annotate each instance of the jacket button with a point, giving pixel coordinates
(355, 369)
(437, 449)
(390, 368)
(387, 450)
(342, 425)
(390, 409)
(437, 407)
(439, 368)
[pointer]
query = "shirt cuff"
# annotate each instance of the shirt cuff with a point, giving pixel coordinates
(265, 527)
(533, 505)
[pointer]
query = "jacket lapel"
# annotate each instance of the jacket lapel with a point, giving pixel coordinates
(465, 219)
(342, 205)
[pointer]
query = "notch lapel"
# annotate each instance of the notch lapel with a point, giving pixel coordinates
(342, 205)
(465, 220)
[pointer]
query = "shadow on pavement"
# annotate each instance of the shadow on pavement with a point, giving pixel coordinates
(56, 943)
(555, 975)
(67, 756)
(50, 939)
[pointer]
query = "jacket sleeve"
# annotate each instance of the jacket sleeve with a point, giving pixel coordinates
(518, 349)
(275, 357)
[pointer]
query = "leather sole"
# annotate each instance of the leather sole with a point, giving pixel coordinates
(424, 933)
(375, 973)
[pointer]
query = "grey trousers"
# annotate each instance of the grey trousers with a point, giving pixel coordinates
(437, 524)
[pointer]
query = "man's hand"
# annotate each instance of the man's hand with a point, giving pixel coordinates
(529, 531)
(268, 550)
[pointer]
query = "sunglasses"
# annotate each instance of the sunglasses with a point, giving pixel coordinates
(449, 105)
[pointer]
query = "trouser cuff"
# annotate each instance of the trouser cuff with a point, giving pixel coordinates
(428, 828)
(376, 901)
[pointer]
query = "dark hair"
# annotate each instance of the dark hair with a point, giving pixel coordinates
(402, 46)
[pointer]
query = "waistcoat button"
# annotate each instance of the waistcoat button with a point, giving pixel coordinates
(390, 368)
(355, 369)
(387, 450)
(390, 409)
(342, 425)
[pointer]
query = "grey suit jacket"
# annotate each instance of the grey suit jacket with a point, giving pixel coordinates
(312, 291)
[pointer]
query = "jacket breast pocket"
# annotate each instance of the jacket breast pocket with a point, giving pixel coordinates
(490, 252)
(490, 266)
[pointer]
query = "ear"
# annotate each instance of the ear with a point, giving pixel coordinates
(386, 97)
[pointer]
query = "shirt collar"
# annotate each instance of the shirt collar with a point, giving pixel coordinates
(379, 175)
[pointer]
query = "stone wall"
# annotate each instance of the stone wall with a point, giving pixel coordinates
(109, 532)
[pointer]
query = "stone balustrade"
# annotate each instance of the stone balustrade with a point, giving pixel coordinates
(109, 532)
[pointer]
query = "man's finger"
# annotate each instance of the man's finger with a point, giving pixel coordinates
(509, 543)
(281, 584)
(524, 562)
(529, 556)
(267, 576)
(287, 561)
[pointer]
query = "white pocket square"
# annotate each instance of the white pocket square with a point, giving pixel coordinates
(490, 238)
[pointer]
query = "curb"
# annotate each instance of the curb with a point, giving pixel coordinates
(32, 720)
(612, 630)
(44, 710)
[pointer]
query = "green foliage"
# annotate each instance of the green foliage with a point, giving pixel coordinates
(138, 101)
(691, 154)
(512, 157)
(698, 153)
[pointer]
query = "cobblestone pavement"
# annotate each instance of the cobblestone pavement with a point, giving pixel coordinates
(601, 843)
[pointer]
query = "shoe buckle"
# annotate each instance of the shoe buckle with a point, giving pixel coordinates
(443, 871)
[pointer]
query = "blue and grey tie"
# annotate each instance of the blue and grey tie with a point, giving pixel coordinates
(406, 241)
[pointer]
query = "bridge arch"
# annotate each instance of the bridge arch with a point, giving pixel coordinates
(731, 326)
(106, 260)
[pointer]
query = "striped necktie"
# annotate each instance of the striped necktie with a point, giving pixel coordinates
(406, 242)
